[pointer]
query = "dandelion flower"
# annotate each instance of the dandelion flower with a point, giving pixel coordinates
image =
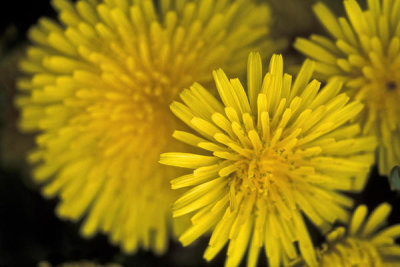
(98, 90)
(364, 243)
(364, 51)
(280, 151)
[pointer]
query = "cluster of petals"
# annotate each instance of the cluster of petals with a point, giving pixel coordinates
(113, 88)
(283, 149)
(365, 242)
(97, 91)
(364, 52)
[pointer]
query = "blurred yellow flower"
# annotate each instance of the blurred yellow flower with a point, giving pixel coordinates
(97, 92)
(364, 243)
(364, 51)
(280, 150)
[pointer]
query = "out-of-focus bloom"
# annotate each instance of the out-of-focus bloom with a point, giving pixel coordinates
(364, 52)
(364, 243)
(98, 90)
(280, 150)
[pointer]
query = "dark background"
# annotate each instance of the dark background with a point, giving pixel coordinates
(29, 230)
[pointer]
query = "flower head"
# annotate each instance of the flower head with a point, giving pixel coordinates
(97, 91)
(83, 263)
(364, 51)
(364, 243)
(282, 150)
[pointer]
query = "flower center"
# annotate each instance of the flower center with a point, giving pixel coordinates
(383, 91)
(266, 174)
(391, 85)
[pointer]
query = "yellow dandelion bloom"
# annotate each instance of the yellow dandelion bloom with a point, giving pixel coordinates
(364, 243)
(275, 153)
(98, 89)
(364, 51)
